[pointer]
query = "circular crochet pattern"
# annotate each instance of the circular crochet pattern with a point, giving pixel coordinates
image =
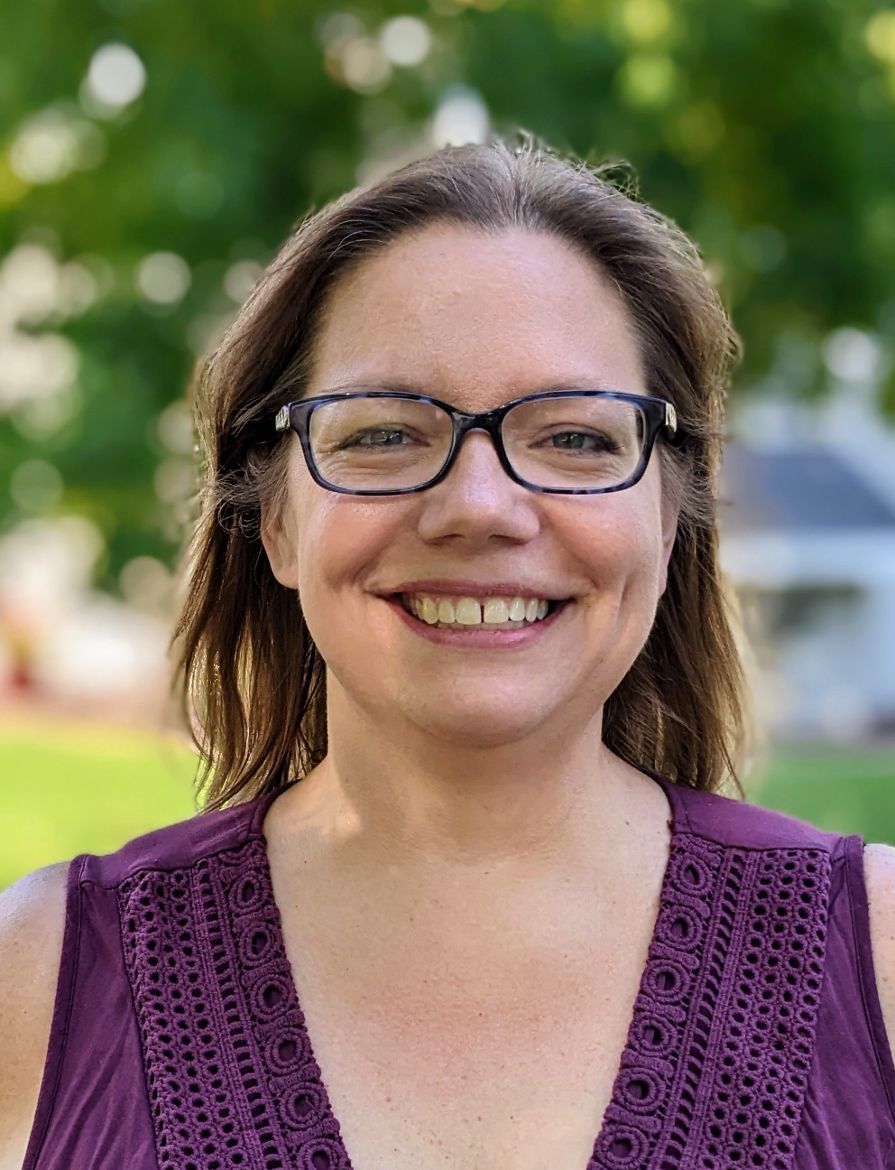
(714, 1071)
(726, 1014)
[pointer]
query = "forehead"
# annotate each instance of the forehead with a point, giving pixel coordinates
(457, 307)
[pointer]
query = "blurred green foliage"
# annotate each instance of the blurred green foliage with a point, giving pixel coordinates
(765, 128)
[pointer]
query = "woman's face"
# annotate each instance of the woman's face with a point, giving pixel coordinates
(475, 320)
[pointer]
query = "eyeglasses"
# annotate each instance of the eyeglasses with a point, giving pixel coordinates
(388, 442)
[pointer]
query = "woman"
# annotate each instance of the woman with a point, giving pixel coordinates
(457, 571)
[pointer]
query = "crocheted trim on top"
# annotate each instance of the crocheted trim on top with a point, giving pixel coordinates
(713, 1075)
(231, 1078)
(716, 1065)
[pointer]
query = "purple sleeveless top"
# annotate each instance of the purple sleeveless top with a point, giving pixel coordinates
(757, 1038)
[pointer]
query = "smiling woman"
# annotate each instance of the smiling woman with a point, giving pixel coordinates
(477, 318)
(467, 889)
(407, 287)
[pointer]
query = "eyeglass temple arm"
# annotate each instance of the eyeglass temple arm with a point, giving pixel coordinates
(670, 418)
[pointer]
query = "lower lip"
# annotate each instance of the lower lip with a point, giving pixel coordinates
(475, 636)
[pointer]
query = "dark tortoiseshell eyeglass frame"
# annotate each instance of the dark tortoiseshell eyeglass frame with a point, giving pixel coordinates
(660, 420)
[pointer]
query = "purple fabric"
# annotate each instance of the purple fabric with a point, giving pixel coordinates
(757, 1038)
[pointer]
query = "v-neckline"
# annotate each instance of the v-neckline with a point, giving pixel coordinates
(643, 1065)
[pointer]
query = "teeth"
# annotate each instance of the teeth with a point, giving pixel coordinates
(427, 610)
(495, 610)
(517, 610)
(470, 611)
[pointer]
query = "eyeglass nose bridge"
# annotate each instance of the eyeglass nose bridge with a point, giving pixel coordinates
(489, 421)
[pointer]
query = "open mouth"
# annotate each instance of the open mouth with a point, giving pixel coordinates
(468, 614)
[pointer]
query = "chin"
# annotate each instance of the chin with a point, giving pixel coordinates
(481, 727)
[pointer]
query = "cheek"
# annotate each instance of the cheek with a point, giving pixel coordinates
(343, 542)
(320, 528)
(618, 540)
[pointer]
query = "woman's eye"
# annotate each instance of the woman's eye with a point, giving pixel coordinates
(600, 442)
(369, 438)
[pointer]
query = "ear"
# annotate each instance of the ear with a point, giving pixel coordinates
(670, 514)
(280, 546)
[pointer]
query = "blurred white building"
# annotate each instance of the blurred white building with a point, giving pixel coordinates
(807, 519)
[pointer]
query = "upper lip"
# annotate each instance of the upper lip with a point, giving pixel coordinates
(456, 588)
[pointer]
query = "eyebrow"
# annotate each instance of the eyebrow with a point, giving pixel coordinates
(410, 386)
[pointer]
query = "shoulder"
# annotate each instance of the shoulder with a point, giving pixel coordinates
(175, 846)
(879, 877)
(32, 925)
(736, 823)
(32, 922)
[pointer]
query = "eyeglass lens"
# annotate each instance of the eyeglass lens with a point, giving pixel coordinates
(384, 443)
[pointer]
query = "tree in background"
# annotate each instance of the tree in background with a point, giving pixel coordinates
(154, 154)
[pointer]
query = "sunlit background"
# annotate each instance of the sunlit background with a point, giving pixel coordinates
(154, 154)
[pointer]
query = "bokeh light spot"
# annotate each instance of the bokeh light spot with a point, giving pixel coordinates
(52, 143)
(405, 40)
(29, 284)
(364, 65)
(240, 278)
(175, 427)
(78, 288)
(851, 355)
(647, 79)
(461, 117)
(147, 584)
(337, 27)
(35, 367)
(645, 20)
(174, 480)
(163, 277)
(879, 35)
(37, 419)
(116, 75)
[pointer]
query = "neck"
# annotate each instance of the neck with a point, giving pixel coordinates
(554, 805)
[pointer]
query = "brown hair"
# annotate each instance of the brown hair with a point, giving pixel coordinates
(247, 674)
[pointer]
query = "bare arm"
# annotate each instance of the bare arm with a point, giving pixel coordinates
(879, 876)
(32, 923)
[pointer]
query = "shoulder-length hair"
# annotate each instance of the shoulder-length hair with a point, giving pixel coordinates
(247, 675)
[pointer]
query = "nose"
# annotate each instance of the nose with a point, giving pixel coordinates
(477, 499)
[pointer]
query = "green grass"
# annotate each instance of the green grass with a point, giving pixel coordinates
(72, 788)
(69, 788)
(837, 788)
